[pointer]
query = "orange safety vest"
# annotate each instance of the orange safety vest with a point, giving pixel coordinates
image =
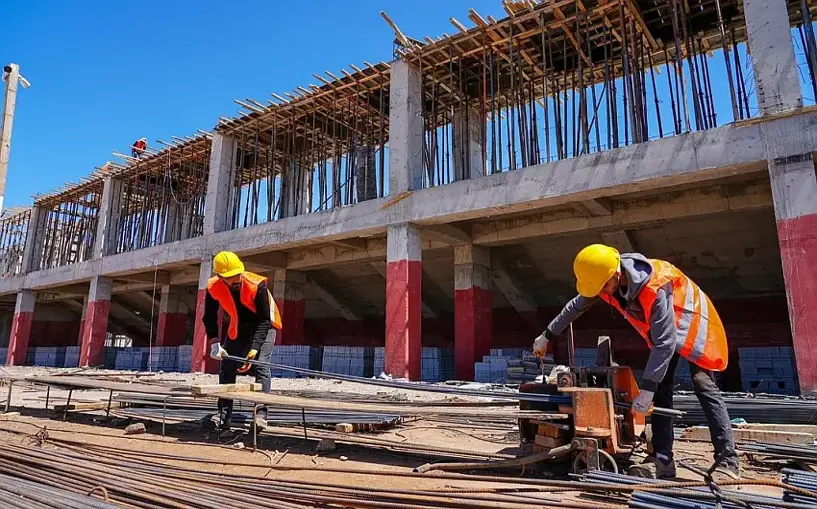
(220, 291)
(701, 338)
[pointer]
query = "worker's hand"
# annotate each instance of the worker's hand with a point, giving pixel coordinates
(643, 402)
(540, 344)
(246, 366)
(216, 352)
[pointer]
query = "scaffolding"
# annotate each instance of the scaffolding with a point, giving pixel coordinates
(13, 231)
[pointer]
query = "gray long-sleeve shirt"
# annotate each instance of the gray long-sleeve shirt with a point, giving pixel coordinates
(663, 332)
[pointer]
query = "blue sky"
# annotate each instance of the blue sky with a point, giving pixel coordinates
(106, 73)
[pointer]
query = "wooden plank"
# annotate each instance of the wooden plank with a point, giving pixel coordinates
(96, 405)
(209, 390)
(753, 435)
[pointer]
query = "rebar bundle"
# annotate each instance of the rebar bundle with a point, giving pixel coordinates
(13, 231)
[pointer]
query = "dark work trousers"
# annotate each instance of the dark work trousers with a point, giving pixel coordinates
(713, 405)
(229, 372)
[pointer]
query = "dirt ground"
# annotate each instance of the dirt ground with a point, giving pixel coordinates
(284, 446)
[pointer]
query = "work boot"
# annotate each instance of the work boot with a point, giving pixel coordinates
(654, 468)
(726, 473)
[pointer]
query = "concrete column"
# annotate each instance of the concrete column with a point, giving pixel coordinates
(178, 222)
(404, 278)
(35, 240)
(794, 188)
(172, 325)
(296, 192)
(21, 328)
(201, 361)
(92, 351)
(467, 144)
(775, 66)
(287, 290)
(82, 321)
(405, 129)
(107, 227)
(217, 210)
(365, 173)
(473, 308)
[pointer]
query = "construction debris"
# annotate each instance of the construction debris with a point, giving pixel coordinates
(326, 445)
(135, 429)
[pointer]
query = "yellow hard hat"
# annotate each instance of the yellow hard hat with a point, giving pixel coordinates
(227, 264)
(594, 266)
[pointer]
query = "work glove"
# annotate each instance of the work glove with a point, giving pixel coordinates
(216, 352)
(252, 354)
(540, 344)
(643, 402)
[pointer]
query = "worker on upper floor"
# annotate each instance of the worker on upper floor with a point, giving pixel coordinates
(254, 319)
(138, 148)
(676, 319)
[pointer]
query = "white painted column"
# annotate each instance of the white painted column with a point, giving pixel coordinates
(405, 129)
(773, 60)
(107, 227)
(467, 144)
(35, 239)
(217, 210)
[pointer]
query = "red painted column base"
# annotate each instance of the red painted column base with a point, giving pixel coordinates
(171, 329)
(20, 335)
(798, 250)
(404, 319)
(473, 329)
(92, 350)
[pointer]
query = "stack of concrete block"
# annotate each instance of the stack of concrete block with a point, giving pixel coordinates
(437, 364)
(48, 356)
(132, 359)
(297, 356)
(769, 370)
(164, 358)
(344, 360)
(511, 365)
(379, 361)
(184, 358)
(71, 357)
(3, 353)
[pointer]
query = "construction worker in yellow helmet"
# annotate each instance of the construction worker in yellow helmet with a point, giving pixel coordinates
(254, 318)
(676, 319)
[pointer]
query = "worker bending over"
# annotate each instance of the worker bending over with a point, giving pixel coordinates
(676, 319)
(138, 148)
(254, 318)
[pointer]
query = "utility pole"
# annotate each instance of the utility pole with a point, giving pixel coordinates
(11, 75)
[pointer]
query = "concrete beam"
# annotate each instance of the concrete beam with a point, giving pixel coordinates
(593, 208)
(329, 256)
(689, 158)
(621, 240)
(159, 277)
(110, 210)
(405, 128)
(712, 200)
(512, 289)
(351, 243)
(449, 234)
(331, 298)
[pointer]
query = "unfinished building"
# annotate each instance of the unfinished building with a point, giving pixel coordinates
(438, 200)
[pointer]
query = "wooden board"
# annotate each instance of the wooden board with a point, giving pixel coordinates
(79, 382)
(209, 390)
(550, 442)
(753, 435)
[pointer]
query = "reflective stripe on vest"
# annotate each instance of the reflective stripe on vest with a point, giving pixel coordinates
(220, 291)
(700, 338)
